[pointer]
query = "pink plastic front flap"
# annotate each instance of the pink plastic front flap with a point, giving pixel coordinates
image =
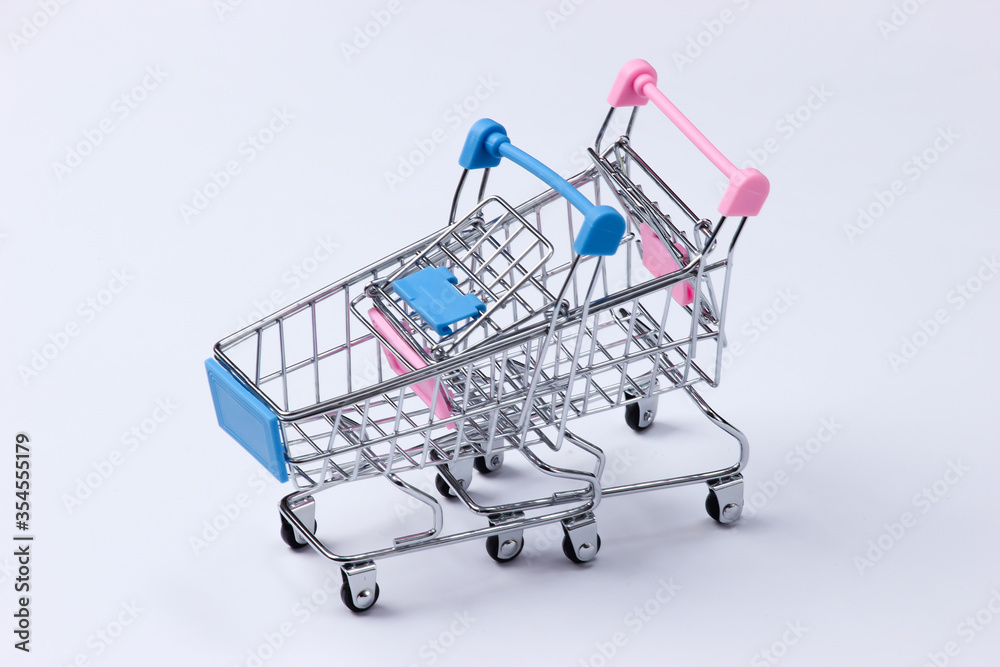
(425, 388)
(660, 262)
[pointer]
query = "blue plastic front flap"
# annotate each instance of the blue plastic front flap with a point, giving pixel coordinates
(247, 419)
(432, 293)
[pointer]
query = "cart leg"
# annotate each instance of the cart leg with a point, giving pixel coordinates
(725, 499)
(305, 511)
(725, 426)
(506, 546)
(581, 542)
(360, 590)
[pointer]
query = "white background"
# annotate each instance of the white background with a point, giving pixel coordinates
(795, 560)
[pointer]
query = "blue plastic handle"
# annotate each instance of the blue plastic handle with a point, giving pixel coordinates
(603, 227)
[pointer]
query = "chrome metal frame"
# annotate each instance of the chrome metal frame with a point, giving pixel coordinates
(600, 337)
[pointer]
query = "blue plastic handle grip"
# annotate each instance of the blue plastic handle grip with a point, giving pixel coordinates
(603, 226)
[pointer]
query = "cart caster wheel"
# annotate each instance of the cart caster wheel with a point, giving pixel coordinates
(588, 550)
(288, 535)
(366, 599)
(488, 465)
(729, 507)
(506, 551)
(712, 506)
(461, 470)
(640, 415)
(443, 488)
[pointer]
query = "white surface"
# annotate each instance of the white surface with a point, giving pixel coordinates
(192, 283)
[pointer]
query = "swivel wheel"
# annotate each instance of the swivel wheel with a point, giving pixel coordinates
(488, 464)
(359, 592)
(360, 603)
(506, 549)
(443, 487)
(289, 537)
(640, 415)
(725, 500)
(584, 553)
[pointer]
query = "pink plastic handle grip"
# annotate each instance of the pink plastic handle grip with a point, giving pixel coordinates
(748, 188)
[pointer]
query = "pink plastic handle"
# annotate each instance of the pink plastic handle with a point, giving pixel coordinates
(425, 388)
(748, 188)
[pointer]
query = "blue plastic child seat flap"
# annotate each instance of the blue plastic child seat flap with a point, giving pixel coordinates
(247, 419)
(432, 293)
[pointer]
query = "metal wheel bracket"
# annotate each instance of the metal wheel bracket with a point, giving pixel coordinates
(461, 470)
(730, 495)
(360, 581)
(510, 541)
(647, 410)
(493, 461)
(305, 511)
(582, 533)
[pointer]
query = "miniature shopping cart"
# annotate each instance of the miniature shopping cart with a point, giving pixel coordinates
(494, 335)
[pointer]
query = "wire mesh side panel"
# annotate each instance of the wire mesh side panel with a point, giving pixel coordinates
(634, 343)
(386, 432)
(652, 208)
(317, 351)
(395, 430)
(320, 348)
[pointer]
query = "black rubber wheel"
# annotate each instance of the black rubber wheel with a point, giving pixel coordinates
(288, 535)
(712, 506)
(348, 599)
(632, 415)
(493, 549)
(481, 465)
(443, 488)
(567, 546)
